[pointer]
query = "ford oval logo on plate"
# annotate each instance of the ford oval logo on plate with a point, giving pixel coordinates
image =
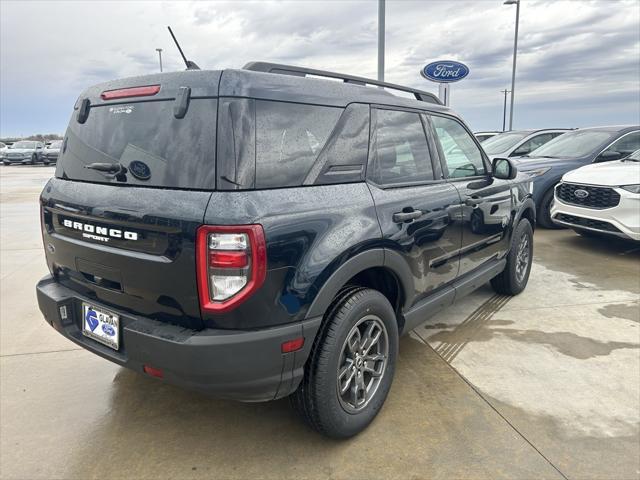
(580, 193)
(108, 329)
(140, 170)
(445, 71)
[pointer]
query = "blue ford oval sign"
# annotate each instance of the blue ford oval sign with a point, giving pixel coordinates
(445, 71)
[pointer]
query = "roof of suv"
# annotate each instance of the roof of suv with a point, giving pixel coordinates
(282, 82)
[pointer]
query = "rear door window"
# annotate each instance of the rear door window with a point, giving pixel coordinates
(155, 147)
(401, 153)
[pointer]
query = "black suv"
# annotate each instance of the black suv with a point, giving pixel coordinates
(259, 233)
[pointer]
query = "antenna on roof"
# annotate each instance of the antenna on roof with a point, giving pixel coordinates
(190, 65)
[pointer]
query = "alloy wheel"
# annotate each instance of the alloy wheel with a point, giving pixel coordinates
(363, 361)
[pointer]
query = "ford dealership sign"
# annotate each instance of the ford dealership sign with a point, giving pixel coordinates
(445, 71)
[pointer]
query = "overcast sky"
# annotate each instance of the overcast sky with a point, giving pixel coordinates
(578, 60)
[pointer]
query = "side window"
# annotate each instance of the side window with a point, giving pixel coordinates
(289, 137)
(626, 145)
(531, 144)
(401, 153)
(462, 156)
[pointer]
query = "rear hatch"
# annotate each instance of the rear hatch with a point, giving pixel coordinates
(123, 232)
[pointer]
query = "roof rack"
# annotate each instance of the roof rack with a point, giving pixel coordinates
(303, 72)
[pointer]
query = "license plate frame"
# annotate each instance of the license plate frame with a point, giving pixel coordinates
(101, 325)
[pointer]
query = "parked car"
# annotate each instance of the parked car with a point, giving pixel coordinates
(519, 142)
(24, 151)
(482, 136)
(549, 163)
(286, 261)
(3, 150)
(51, 152)
(601, 199)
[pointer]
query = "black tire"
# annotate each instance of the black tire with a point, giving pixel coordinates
(34, 159)
(45, 162)
(544, 212)
(515, 276)
(6, 163)
(317, 399)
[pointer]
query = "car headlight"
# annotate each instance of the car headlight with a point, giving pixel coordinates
(632, 188)
(538, 172)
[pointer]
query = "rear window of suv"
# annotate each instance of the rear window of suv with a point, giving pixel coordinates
(158, 149)
(269, 144)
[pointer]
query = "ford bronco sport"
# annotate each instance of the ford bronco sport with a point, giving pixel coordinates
(261, 233)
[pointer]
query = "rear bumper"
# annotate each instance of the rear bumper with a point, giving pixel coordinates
(232, 364)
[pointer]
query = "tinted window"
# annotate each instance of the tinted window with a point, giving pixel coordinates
(344, 157)
(626, 145)
(502, 142)
(401, 153)
(289, 137)
(574, 144)
(462, 156)
(533, 143)
(171, 152)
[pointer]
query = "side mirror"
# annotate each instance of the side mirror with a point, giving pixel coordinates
(504, 169)
(609, 156)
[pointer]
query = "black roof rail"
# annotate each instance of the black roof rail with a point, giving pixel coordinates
(303, 72)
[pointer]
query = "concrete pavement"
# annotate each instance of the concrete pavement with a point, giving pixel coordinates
(543, 385)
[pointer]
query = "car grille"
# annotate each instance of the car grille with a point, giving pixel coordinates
(597, 197)
(586, 222)
(15, 155)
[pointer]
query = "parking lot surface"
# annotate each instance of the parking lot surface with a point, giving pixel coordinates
(542, 385)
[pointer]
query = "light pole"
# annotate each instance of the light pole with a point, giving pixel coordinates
(515, 53)
(159, 50)
(504, 108)
(381, 40)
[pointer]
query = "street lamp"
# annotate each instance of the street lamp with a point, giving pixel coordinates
(515, 52)
(159, 50)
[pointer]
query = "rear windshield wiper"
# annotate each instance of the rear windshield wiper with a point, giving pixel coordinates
(112, 168)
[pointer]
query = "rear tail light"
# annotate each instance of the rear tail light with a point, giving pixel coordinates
(154, 372)
(146, 91)
(231, 264)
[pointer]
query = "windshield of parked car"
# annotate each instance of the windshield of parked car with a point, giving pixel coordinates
(24, 145)
(55, 144)
(573, 144)
(635, 156)
(503, 142)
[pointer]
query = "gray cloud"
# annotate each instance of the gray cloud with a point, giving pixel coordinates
(578, 60)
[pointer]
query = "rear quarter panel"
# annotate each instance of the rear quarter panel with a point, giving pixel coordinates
(310, 231)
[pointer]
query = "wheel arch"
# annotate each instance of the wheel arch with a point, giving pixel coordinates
(380, 269)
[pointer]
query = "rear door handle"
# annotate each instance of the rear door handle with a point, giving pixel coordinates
(401, 217)
(473, 202)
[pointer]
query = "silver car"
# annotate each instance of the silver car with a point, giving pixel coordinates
(24, 151)
(518, 143)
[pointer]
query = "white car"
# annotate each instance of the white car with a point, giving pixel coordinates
(601, 198)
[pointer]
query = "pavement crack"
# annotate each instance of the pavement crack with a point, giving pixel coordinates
(39, 353)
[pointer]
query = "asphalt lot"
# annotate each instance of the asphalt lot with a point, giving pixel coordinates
(543, 385)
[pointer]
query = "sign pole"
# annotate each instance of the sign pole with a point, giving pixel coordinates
(444, 93)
